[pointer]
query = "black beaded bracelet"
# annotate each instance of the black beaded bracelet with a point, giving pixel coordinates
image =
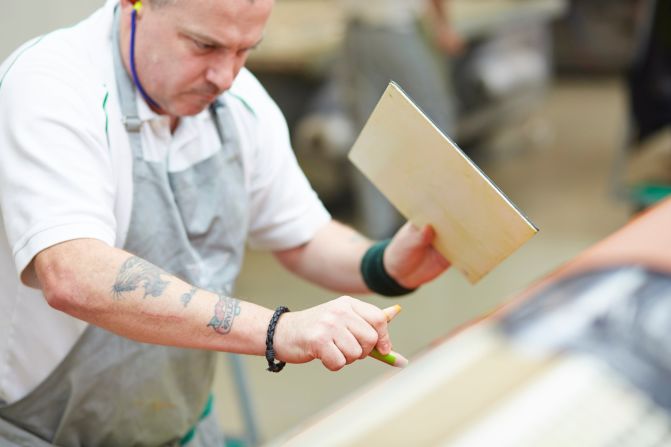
(375, 275)
(274, 366)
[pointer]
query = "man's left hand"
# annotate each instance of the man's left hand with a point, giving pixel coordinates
(410, 257)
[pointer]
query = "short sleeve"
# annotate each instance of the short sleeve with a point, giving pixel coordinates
(285, 210)
(56, 182)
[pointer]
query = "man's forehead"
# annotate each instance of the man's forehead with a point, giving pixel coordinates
(161, 3)
(238, 9)
(224, 22)
(240, 12)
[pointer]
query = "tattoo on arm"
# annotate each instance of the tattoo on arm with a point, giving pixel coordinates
(136, 272)
(187, 296)
(225, 312)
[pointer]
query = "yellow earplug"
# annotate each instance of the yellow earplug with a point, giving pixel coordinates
(137, 6)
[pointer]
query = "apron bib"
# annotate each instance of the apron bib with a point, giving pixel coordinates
(113, 391)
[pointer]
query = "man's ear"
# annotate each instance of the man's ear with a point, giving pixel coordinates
(127, 6)
(138, 6)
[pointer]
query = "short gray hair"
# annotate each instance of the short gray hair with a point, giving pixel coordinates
(160, 3)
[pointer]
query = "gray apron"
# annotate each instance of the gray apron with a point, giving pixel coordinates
(113, 391)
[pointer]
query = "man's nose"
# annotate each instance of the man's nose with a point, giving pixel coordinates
(222, 73)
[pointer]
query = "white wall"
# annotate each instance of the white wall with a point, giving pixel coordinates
(22, 20)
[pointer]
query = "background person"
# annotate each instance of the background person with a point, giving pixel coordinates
(386, 41)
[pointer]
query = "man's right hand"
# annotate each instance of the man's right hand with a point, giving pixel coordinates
(338, 333)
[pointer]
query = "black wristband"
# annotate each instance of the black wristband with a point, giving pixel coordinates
(375, 275)
(270, 352)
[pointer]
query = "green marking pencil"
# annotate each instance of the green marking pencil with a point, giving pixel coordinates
(393, 358)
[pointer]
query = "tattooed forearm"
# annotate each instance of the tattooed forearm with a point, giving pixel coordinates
(136, 272)
(187, 296)
(225, 312)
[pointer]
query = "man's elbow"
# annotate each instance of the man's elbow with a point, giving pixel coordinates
(57, 288)
(58, 279)
(292, 258)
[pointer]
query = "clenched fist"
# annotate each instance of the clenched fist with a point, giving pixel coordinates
(338, 333)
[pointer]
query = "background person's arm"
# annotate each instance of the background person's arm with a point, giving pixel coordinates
(129, 296)
(332, 258)
(445, 36)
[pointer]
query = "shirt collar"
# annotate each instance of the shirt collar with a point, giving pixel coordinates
(145, 113)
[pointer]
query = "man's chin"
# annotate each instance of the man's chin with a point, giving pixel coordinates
(190, 109)
(188, 105)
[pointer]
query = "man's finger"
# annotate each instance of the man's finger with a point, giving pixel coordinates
(428, 234)
(349, 346)
(376, 319)
(365, 334)
(332, 358)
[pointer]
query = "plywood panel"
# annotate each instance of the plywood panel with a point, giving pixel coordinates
(431, 181)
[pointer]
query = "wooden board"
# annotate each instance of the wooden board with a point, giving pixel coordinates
(431, 181)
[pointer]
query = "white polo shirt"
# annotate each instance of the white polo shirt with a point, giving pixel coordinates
(66, 173)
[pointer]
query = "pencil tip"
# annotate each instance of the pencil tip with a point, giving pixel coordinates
(391, 312)
(401, 362)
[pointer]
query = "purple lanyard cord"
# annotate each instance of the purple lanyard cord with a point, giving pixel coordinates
(136, 80)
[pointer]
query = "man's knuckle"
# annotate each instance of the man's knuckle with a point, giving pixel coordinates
(322, 336)
(379, 321)
(339, 312)
(344, 299)
(330, 321)
(370, 339)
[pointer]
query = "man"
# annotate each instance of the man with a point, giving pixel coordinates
(137, 157)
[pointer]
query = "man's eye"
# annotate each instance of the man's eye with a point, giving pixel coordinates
(203, 46)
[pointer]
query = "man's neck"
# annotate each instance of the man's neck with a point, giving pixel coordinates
(174, 121)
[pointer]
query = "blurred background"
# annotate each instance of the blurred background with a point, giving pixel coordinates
(536, 92)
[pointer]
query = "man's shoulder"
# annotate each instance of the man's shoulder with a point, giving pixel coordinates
(249, 91)
(63, 55)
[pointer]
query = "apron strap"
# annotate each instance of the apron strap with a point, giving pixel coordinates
(129, 118)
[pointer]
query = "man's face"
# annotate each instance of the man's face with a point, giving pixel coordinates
(190, 51)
